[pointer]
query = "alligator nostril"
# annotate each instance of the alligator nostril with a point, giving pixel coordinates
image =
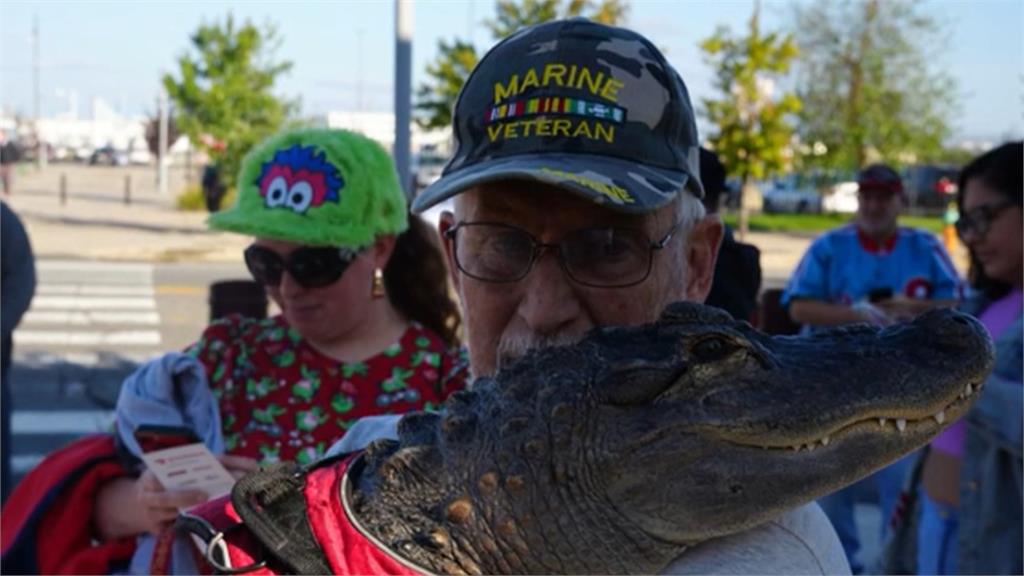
(961, 320)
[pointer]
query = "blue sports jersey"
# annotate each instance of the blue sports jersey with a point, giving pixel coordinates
(843, 266)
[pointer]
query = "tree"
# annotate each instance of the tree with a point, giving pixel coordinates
(868, 90)
(153, 133)
(223, 95)
(753, 127)
(455, 60)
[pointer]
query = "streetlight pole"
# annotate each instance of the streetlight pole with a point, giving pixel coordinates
(403, 91)
(40, 145)
(162, 145)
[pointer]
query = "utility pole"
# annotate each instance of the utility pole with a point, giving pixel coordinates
(403, 91)
(40, 145)
(359, 69)
(162, 145)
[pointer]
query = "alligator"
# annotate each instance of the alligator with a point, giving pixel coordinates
(617, 453)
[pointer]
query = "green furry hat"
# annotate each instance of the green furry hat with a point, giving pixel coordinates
(320, 187)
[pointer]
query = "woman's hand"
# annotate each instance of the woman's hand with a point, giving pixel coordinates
(238, 466)
(159, 507)
(131, 506)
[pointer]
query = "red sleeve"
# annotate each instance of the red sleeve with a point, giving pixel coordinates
(47, 522)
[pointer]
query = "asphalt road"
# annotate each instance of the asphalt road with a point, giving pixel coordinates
(89, 326)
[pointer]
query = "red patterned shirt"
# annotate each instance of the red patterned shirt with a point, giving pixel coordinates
(281, 399)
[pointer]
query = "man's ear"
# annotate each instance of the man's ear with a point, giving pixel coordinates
(701, 253)
(444, 224)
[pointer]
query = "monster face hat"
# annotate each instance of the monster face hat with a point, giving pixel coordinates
(318, 187)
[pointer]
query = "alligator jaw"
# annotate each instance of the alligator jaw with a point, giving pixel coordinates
(888, 423)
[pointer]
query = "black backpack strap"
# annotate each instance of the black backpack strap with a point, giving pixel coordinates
(272, 505)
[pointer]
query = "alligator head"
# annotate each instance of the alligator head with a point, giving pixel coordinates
(618, 452)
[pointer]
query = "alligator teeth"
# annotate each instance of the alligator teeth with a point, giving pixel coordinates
(824, 441)
(881, 422)
(968, 390)
(797, 448)
(940, 417)
(809, 447)
(901, 424)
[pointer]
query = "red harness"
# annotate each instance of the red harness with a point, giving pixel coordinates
(233, 545)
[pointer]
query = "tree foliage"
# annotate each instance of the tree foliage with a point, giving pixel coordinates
(223, 93)
(753, 126)
(868, 90)
(153, 133)
(455, 60)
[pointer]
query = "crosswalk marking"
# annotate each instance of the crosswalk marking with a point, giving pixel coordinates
(22, 463)
(94, 290)
(88, 320)
(86, 359)
(113, 338)
(63, 422)
(91, 303)
(90, 317)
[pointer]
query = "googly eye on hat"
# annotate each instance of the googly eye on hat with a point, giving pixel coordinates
(593, 109)
(320, 187)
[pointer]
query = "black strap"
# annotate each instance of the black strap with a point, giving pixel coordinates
(272, 505)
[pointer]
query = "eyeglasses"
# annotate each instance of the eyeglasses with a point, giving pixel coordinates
(979, 220)
(313, 267)
(598, 257)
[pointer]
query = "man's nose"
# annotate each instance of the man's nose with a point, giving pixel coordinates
(549, 302)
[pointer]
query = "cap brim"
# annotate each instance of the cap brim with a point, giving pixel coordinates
(620, 185)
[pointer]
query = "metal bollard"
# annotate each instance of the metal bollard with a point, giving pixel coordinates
(63, 188)
(127, 189)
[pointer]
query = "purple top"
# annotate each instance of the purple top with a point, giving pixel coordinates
(997, 317)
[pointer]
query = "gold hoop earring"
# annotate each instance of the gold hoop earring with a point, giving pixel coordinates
(377, 288)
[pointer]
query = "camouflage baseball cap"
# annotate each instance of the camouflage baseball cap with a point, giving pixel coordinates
(590, 108)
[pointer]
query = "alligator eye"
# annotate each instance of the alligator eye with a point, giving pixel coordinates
(711, 348)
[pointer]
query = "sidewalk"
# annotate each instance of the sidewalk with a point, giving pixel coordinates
(95, 224)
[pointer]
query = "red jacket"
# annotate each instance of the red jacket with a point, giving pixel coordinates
(46, 525)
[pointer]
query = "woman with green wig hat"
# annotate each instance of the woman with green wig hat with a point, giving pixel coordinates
(367, 324)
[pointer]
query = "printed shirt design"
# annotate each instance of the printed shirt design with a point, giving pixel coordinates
(281, 399)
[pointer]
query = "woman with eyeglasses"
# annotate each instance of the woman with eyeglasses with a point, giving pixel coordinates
(970, 492)
(367, 324)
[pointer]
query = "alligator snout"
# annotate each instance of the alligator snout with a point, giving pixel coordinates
(953, 331)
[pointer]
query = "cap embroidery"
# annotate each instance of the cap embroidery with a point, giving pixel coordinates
(618, 194)
(555, 105)
(299, 178)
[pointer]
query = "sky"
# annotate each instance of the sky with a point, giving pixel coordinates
(343, 51)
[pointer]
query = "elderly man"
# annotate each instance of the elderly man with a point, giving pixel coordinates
(577, 204)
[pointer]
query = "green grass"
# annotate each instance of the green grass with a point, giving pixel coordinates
(820, 222)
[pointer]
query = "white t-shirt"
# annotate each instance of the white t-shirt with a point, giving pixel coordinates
(801, 541)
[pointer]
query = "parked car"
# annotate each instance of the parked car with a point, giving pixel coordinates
(428, 169)
(108, 156)
(930, 187)
(840, 198)
(791, 193)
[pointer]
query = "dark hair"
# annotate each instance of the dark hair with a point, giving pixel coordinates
(712, 176)
(416, 279)
(1002, 169)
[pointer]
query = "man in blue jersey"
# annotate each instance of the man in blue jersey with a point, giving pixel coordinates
(871, 270)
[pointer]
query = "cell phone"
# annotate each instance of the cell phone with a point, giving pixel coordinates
(152, 437)
(879, 294)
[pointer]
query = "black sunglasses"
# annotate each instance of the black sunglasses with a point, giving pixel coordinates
(309, 267)
(979, 220)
